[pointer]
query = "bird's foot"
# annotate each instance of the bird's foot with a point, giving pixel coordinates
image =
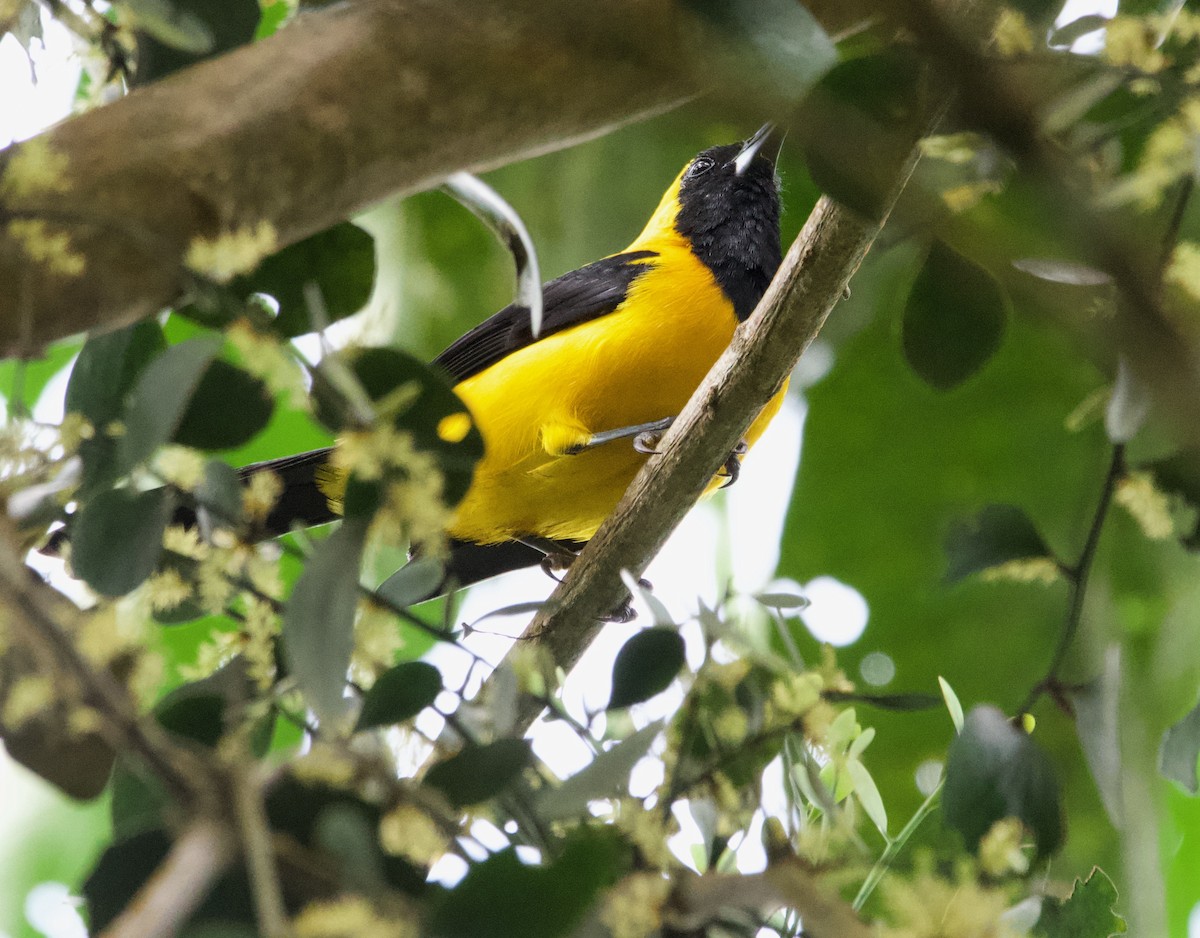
(733, 464)
(556, 562)
(652, 430)
(622, 613)
(647, 442)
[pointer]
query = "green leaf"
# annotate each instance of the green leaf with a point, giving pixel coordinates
(429, 409)
(646, 665)
(173, 34)
(953, 705)
(954, 319)
(197, 711)
(480, 772)
(606, 776)
(413, 583)
(227, 409)
(172, 25)
(998, 534)
(105, 372)
(45, 742)
(501, 897)
(1128, 407)
(106, 369)
(399, 694)
(1087, 913)
(117, 538)
(783, 600)
(769, 49)
(318, 621)
(995, 771)
(273, 16)
(138, 803)
(1181, 750)
(160, 399)
(858, 126)
(658, 611)
(867, 793)
(127, 865)
(120, 873)
(22, 381)
(339, 262)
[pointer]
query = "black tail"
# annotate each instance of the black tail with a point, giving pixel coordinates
(302, 503)
(470, 563)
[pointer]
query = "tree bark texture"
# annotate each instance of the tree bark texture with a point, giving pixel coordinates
(342, 107)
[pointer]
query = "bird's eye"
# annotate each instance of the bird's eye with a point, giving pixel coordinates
(700, 165)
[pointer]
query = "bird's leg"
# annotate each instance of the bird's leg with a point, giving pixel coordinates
(556, 558)
(637, 431)
(647, 442)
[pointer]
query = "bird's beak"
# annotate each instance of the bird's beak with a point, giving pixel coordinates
(766, 140)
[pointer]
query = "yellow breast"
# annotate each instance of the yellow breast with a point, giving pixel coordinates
(638, 364)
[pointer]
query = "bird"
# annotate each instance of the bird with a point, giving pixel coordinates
(570, 415)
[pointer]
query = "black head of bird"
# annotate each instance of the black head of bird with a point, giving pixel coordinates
(729, 211)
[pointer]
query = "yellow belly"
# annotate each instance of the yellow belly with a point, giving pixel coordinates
(637, 364)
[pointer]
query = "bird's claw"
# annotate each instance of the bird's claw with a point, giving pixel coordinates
(556, 562)
(647, 442)
(733, 464)
(621, 614)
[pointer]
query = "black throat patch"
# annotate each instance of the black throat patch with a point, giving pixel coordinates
(732, 223)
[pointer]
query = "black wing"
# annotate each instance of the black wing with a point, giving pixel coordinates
(574, 298)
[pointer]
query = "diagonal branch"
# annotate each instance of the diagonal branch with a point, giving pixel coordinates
(35, 616)
(811, 280)
(202, 852)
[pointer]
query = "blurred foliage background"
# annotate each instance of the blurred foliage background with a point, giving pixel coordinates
(899, 452)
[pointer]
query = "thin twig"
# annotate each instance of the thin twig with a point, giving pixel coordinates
(197, 858)
(258, 851)
(1175, 223)
(1077, 575)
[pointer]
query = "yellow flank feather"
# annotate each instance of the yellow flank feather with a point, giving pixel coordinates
(635, 365)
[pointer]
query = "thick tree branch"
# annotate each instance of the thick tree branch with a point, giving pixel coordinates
(763, 352)
(344, 106)
(336, 111)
